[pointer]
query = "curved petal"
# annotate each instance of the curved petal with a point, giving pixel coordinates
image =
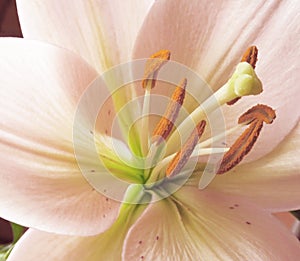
(102, 32)
(41, 185)
(208, 226)
(210, 37)
(273, 181)
(286, 218)
(37, 245)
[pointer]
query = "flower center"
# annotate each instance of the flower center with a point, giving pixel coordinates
(243, 82)
(173, 150)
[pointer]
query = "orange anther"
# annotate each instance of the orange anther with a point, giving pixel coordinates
(184, 154)
(255, 117)
(250, 56)
(166, 123)
(153, 65)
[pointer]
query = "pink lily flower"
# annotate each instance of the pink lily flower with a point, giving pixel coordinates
(41, 183)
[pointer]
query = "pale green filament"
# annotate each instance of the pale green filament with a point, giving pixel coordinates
(219, 137)
(155, 174)
(144, 134)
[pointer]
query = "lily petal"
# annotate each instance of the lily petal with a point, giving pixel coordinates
(38, 245)
(272, 182)
(208, 226)
(102, 32)
(210, 37)
(41, 185)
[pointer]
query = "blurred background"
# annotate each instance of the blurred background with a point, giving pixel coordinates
(9, 26)
(9, 23)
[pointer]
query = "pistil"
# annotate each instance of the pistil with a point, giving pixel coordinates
(243, 82)
(250, 56)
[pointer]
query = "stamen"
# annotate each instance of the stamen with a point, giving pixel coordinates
(242, 146)
(233, 101)
(166, 123)
(184, 154)
(250, 56)
(260, 112)
(153, 65)
(218, 137)
(197, 152)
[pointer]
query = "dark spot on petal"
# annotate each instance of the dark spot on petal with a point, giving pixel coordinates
(157, 237)
(107, 199)
(106, 132)
(142, 257)
(140, 242)
(109, 112)
(91, 132)
(104, 216)
(104, 190)
(231, 207)
(92, 170)
(248, 223)
(236, 205)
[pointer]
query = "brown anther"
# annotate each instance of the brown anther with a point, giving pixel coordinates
(233, 101)
(184, 154)
(166, 123)
(155, 62)
(255, 117)
(259, 112)
(249, 56)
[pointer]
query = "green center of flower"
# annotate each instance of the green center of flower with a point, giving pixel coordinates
(170, 153)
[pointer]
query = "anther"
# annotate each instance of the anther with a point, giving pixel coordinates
(249, 56)
(153, 65)
(184, 154)
(166, 123)
(259, 112)
(255, 117)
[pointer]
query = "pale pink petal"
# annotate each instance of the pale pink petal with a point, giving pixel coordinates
(37, 245)
(103, 32)
(205, 225)
(273, 181)
(278, 68)
(286, 218)
(41, 185)
(211, 36)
